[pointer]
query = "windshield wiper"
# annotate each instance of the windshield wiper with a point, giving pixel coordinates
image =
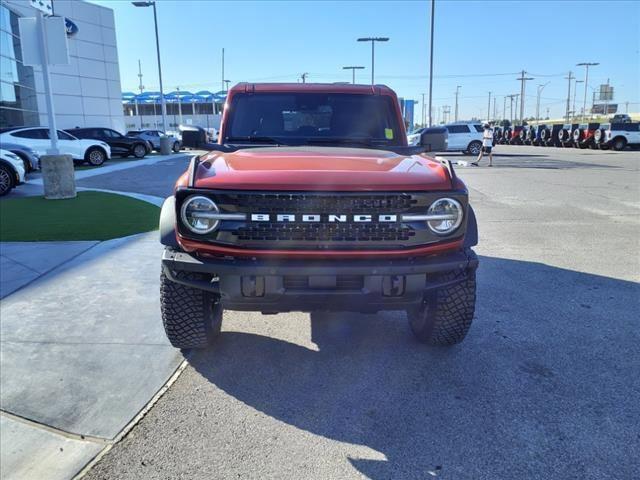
(256, 139)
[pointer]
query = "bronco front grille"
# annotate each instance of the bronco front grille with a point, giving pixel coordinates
(324, 232)
(318, 203)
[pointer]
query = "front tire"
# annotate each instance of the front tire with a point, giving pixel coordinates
(619, 144)
(192, 318)
(176, 147)
(95, 156)
(139, 150)
(474, 148)
(6, 180)
(445, 316)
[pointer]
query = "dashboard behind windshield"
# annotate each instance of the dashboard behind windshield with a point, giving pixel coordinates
(314, 118)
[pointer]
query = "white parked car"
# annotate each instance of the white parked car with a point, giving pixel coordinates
(621, 135)
(465, 137)
(414, 137)
(94, 152)
(11, 171)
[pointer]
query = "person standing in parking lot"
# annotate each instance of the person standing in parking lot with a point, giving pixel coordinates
(487, 145)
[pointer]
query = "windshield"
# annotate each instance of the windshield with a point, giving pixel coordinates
(313, 118)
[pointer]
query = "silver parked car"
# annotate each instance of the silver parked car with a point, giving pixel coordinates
(30, 158)
(153, 138)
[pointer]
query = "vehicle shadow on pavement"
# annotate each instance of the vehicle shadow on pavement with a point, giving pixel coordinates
(544, 386)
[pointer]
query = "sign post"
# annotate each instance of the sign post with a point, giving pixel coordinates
(44, 43)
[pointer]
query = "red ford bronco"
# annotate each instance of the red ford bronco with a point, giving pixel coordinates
(313, 201)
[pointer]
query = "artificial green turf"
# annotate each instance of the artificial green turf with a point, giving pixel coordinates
(89, 216)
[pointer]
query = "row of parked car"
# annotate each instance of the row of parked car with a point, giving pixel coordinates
(85, 145)
(604, 136)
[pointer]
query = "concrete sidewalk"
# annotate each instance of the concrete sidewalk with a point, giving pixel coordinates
(82, 352)
(23, 262)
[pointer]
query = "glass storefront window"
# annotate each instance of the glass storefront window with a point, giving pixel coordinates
(18, 101)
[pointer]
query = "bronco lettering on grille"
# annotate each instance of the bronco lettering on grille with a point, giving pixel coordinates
(329, 218)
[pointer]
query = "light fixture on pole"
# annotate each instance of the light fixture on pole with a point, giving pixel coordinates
(540, 88)
(373, 41)
(152, 3)
(353, 72)
(586, 83)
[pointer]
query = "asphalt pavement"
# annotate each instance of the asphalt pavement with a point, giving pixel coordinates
(545, 386)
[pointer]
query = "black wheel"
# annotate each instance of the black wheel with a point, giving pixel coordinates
(474, 148)
(446, 314)
(191, 317)
(139, 150)
(619, 144)
(6, 180)
(95, 156)
(176, 147)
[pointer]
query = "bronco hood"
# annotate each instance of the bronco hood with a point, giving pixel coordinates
(319, 168)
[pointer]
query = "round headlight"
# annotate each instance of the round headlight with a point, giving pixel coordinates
(198, 214)
(446, 216)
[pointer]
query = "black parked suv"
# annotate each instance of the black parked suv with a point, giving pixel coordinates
(120, 145)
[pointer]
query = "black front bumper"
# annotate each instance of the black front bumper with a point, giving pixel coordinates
(272, 286)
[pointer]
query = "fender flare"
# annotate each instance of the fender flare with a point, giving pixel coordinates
(471, 235)
(167, 225)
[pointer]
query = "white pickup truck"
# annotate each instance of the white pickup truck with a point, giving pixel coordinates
(621, 135)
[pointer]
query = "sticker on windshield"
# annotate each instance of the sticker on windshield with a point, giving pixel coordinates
(388, 133)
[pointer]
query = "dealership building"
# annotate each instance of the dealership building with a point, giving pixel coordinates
(86, 92)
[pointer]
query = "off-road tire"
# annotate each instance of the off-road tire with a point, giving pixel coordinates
(191, 317)
(139, 150)
(446, 314)
(95, 156)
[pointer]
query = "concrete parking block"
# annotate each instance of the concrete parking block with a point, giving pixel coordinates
(28, 451)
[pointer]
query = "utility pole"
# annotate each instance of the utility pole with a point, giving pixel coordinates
(456, 111)
(575, 90)
(494, 109)
(433, 9)
(304, 77)
(504, 109)
(540, 88)
(547, 112)
(489, 109)
(424, 110)
(570, 77)
(222, 69)
(606, 101)
(226, 85)
(522, 79)
(511, 97)
(446, 111)
(353, 72)
(586, 82)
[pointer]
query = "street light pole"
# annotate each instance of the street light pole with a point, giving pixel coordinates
(586, 83)
(489, 109)
(353, 72)
(373, 41)
(540, 88)
(152, 3)
(433, 9)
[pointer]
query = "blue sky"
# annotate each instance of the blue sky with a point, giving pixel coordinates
(278, 41)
